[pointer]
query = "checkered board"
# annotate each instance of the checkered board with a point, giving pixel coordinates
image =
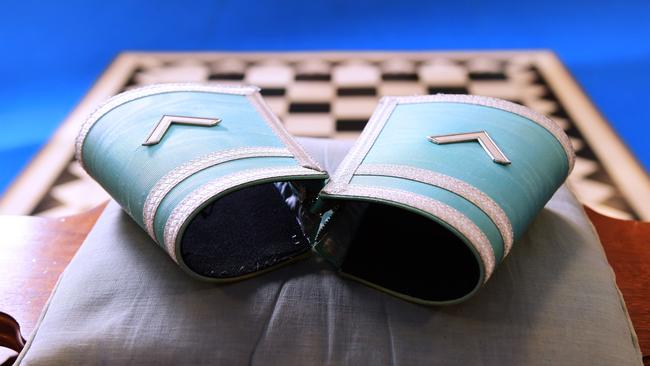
(334, 94)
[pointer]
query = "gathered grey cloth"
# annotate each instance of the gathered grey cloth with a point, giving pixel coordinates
(121, 301)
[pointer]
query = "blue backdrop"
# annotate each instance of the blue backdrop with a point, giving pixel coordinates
(51, 52)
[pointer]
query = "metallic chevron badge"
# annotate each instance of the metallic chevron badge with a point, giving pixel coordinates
(166, 121)
(482, 137)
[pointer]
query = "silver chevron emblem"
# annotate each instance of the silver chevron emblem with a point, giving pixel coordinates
(482, 137)
(166, 121)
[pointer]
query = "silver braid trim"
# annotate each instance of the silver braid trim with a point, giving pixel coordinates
(189, 205)
(275, 124)
(457, 186)
(148, 90)
(448, 214)
(375, 125)
(345, 171)
(503, 105)
(170, 180)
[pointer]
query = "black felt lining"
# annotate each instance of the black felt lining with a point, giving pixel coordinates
(244, 232)
(410, 254)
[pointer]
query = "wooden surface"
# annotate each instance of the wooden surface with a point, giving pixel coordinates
(10, 339)
(38, 249)
(33, 253)
(627, 244)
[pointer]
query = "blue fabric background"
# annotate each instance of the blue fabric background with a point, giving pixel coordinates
(51, 52)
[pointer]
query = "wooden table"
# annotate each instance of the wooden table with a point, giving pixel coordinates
(35, 251)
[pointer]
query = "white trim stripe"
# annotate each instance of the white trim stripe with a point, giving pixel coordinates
(188, 206)
(380, 117)
(345, 171)
(454, 218)
(145, 91)
(454, 185)
(503, 105)
(175, 176)
(303, 157)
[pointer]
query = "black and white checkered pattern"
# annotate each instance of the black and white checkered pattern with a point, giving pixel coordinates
(317, 95)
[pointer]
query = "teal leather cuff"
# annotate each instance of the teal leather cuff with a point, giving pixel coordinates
(168, 152)
(436, 190)
(426, 204)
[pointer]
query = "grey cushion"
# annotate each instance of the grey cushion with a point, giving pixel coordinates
(123, 301)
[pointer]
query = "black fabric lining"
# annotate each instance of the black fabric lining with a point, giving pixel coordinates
(410, 254)
(243, 232)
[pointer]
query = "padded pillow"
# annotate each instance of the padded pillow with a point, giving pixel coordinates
(553, 301)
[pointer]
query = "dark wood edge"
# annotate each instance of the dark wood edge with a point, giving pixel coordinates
(43, 247)
(10, 336)
(627, 245)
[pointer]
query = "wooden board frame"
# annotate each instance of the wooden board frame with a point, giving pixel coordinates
(625, 170)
